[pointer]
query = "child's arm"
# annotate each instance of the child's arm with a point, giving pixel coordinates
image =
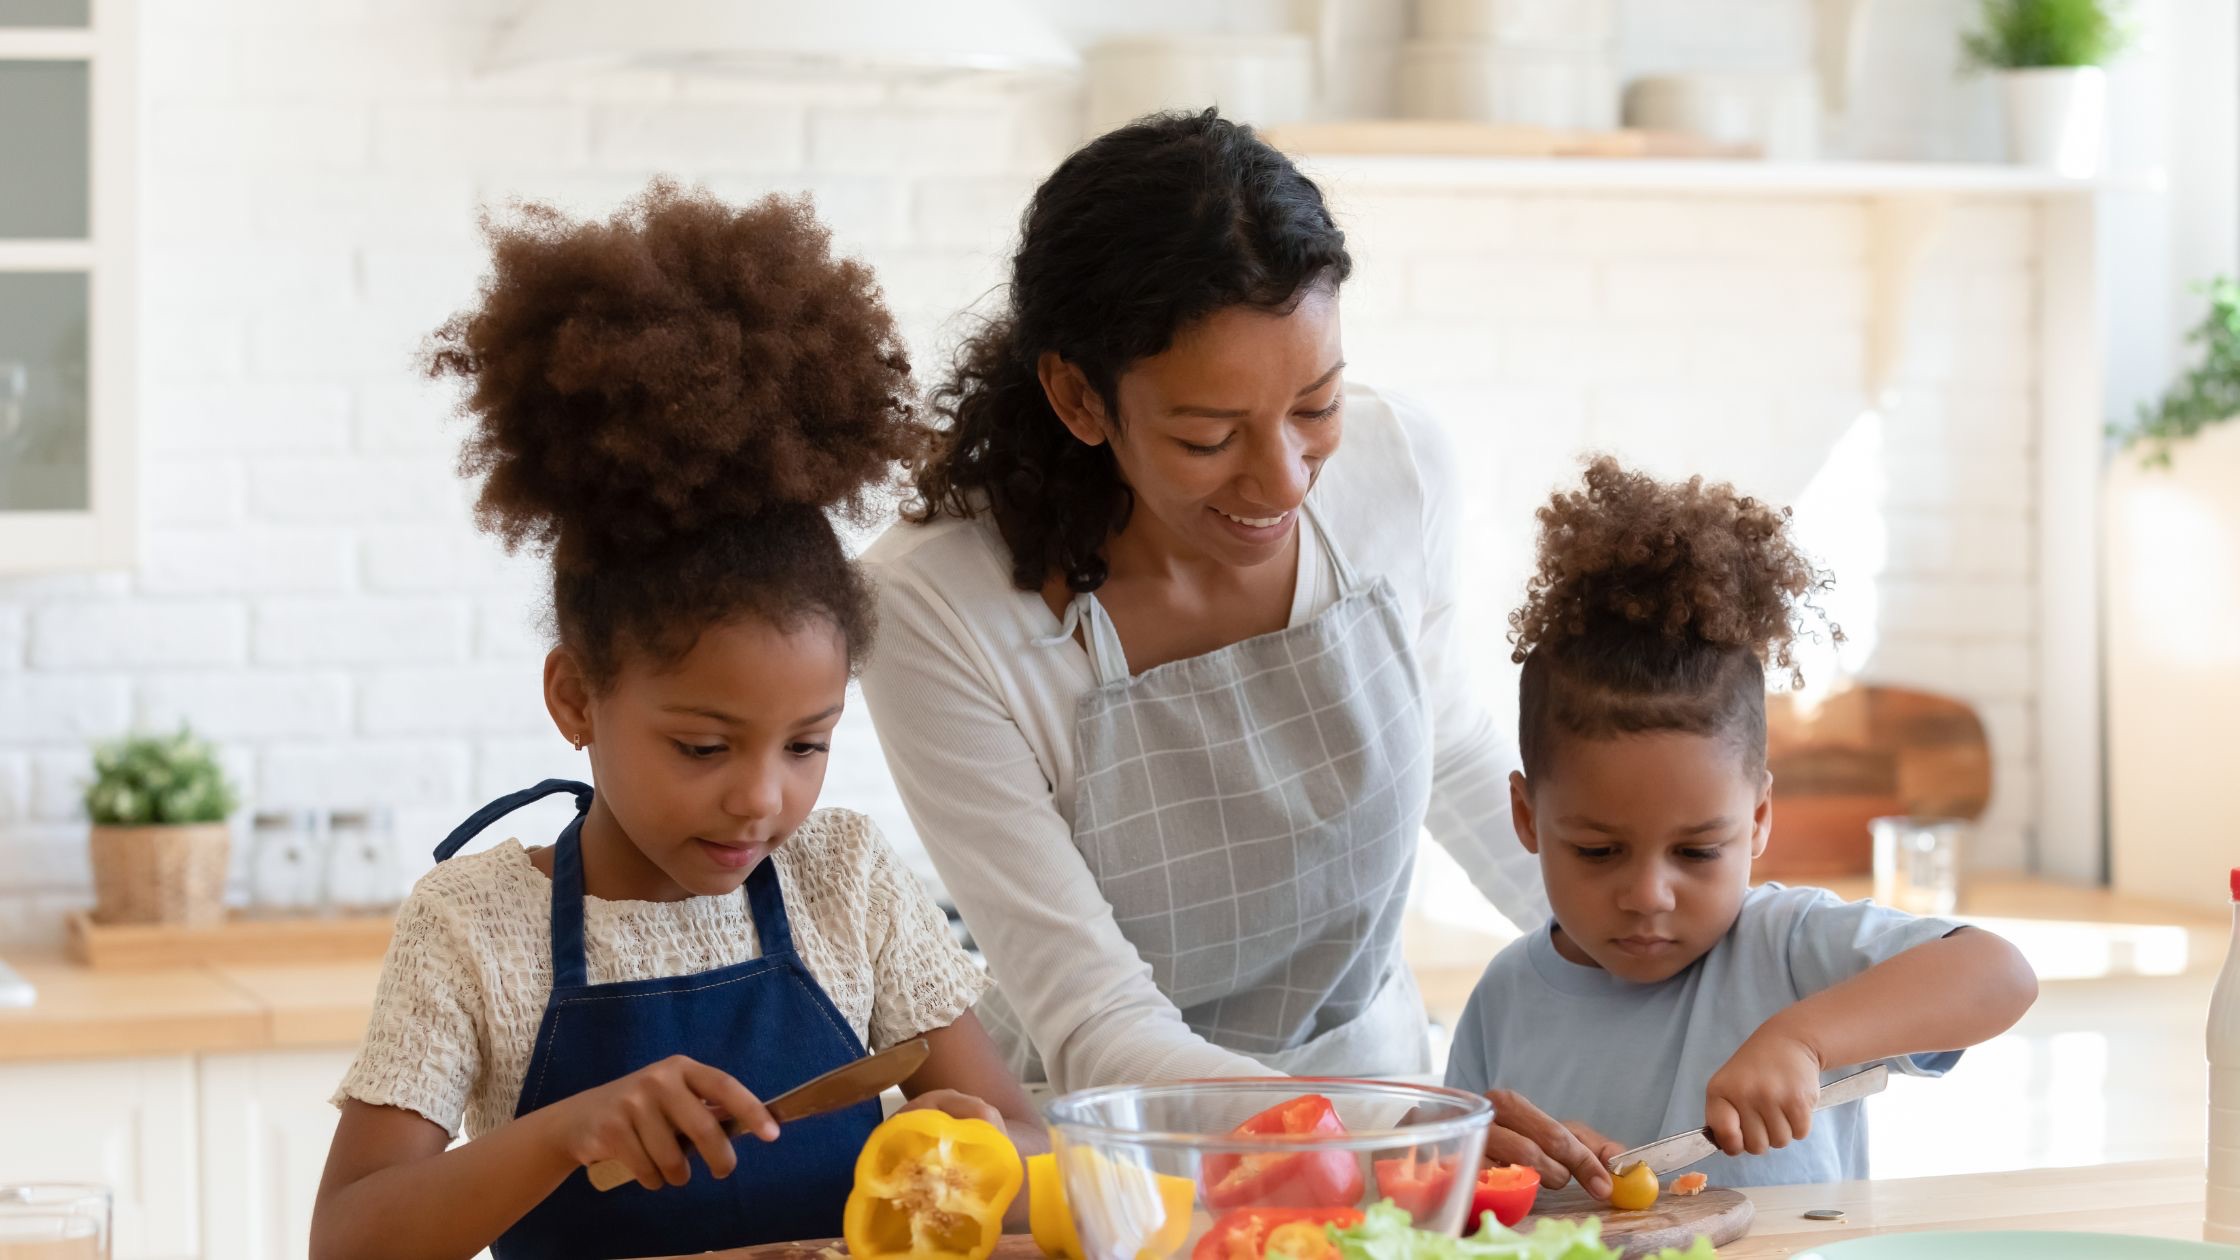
(965, 1076)
(1946, 994)
(391, 1191)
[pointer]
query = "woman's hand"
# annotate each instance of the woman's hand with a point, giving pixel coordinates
(638, 1120)
(1762, 1098)
(1524, 1134)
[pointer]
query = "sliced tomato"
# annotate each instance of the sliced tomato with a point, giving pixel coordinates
(1279, 1179)
(1245, 1233)
(1417, 1186)
(1507, 1191)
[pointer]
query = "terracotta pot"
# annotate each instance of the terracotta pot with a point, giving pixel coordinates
(167, 874)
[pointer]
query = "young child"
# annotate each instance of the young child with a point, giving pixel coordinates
(669, 403)
(1667, 993)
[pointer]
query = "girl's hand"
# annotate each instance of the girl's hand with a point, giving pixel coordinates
(1524, 1134)
(1762, 1098)
(637, 1120)
(961, 1105)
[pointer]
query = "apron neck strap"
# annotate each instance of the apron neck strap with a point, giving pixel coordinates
(568, 970)
(497, 809)
(772, 932)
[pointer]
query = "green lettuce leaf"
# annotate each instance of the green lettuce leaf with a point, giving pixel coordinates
(1387, 1233)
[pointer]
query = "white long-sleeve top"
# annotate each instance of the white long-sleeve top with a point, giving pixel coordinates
(975, 705)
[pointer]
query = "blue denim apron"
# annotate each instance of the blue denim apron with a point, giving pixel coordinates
(765, 1021)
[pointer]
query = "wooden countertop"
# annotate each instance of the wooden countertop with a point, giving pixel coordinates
(2160, 1199)
(82, 1013)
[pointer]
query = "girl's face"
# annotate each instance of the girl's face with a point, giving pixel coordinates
(705, 767)
(1221, 434)
(1645, 842)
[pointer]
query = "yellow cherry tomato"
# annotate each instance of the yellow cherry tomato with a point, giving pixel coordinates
(1634, 1189)
(930, 1186)
(1051, 1219)
(1301, 1240)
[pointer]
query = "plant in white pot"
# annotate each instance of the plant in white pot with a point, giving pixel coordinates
(2048, 56)
(2171, 611)
(160, 841)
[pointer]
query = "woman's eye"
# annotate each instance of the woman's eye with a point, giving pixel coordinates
(1336, 404)
(1196, 449)
(698, 752)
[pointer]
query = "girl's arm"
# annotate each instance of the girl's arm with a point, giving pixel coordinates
(1946, 994)
(392, 1192)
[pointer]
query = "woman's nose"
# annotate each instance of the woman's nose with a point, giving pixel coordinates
(1280, 473)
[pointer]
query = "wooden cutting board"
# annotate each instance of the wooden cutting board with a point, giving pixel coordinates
(1674, 1222)
(1013, 1247)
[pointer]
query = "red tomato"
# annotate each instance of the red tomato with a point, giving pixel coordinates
(1506, 1190)
(1417, 1186)
(1243, 1234)
(1272, 1179)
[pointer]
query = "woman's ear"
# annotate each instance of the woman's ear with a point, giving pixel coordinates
(1520, 811)
(1761, 819)
(1078, 406)
(567, 696)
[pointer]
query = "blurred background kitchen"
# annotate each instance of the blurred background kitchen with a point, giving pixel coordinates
(1869, 257)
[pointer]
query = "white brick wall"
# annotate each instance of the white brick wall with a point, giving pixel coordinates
(311, 590)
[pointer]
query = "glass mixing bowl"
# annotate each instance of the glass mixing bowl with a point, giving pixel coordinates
(1132, 1155)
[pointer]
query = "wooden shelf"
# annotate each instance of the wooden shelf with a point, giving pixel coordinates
(1709, 176)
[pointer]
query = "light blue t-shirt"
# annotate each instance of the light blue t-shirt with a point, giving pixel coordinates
(1632, 1060)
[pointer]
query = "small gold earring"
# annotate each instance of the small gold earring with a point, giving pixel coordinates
(577, 740)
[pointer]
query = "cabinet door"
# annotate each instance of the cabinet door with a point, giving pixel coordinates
(266, 1124)
(128, 1124)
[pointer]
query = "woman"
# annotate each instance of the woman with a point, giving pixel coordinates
(1168, 723)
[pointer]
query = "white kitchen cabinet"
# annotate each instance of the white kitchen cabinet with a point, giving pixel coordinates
(127, 1123)
(266, 1124)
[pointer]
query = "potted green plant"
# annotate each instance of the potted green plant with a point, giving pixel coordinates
(2048, 56)
(160, 840)
(2170, 601)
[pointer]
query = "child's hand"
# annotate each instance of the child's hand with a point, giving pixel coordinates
(1762, 1098)
(962, 1106)
(637, 1120)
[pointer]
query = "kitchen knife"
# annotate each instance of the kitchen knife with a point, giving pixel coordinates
(1682, 1149)
(843, 1086)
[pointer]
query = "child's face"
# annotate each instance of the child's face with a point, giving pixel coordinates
(1645, 842)
(708, 766)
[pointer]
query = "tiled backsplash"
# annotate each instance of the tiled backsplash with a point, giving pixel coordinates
(311, 590)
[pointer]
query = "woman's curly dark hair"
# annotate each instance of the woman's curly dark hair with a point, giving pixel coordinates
(671, 403)
(1657, 606)
(1136, 236)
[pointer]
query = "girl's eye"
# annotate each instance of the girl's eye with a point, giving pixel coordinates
(806, 749)
(698, 752)
(1196, 449)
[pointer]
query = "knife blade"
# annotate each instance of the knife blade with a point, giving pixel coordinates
(844, 1086)
(1682, 1149)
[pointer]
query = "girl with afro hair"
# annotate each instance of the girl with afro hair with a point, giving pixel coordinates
(1667, 993)
(671, 405)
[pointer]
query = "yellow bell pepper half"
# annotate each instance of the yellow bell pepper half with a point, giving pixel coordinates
(930, 1186)
(1160, 1216)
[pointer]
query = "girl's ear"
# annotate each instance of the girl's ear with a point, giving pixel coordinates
(1761, 819)
(567, 696)
(1077, 405)
(1520, 811)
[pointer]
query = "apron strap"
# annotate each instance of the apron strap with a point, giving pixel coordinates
(506, 804)
(1340, 568)
(568, 970)
(767, 902)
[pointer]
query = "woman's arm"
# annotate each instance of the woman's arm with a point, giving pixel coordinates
(1471, 757)
(983, 809)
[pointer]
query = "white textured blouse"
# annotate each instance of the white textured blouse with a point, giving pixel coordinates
(464, 986)
(974, 687)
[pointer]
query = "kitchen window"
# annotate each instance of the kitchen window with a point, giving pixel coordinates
(67, 293)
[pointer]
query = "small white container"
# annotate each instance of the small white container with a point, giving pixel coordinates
(1580, 25)
(2057, 118)
(2221, 1218)
(1777, 113)
(1264, 80)
(1480, 81)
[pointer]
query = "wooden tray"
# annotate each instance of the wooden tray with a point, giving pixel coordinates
(141, 946)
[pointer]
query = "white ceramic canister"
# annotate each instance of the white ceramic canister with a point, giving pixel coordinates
(1264, 80)
(1480, 81)
(1549, 24)
(1775, 112)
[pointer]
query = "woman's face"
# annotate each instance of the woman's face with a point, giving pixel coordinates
(1221, 434)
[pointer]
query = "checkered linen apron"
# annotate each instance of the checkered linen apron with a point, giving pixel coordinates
(1252, 816)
